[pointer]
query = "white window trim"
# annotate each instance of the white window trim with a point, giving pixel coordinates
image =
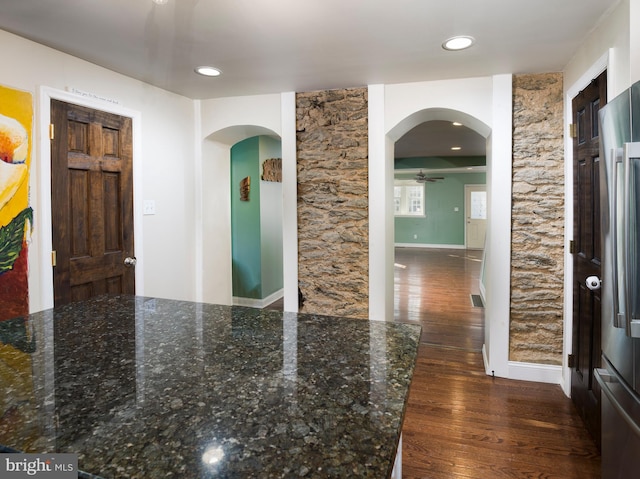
(409, 182)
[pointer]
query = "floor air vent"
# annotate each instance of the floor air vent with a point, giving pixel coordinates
(476, 300)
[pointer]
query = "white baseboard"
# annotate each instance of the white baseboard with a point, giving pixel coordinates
(483, 292)
(541, 373)
(434, 246)
(485, 360)
(258, 303)
(566, 386)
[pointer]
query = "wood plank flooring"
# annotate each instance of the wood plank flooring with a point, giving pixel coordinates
(461, 423)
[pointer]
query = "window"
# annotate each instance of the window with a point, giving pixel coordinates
(408, 198)
(478, 205)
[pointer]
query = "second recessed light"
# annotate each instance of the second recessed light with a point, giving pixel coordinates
(460, 42)
(208, 71)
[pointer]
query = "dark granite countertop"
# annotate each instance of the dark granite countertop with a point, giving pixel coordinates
(154, 388)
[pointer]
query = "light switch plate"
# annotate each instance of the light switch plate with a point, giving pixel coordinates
(149, 207)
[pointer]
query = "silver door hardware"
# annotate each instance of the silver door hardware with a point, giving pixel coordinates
(129, 261)
(593, 283)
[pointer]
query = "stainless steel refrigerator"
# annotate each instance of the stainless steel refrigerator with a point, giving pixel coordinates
(619, 376)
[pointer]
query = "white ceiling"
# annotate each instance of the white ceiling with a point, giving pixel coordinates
(436, 138)
(271, 46)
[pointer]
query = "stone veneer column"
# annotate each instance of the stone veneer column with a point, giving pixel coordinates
(333, 249)
(537, 266)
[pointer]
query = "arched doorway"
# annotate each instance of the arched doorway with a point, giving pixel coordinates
(436, 271)
(216, 232)
(485, 104)
(439, 158)
(256, 222)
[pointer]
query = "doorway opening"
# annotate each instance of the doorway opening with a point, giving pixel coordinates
(475, 208)
(215, 250)
(256, 222)
(439, 240)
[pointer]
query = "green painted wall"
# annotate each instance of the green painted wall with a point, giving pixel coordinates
(442, 225)
(245, 221)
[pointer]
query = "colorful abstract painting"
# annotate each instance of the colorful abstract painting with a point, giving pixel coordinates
(16, 123)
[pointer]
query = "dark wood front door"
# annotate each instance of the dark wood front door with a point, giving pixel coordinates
(587, 252)
(91, 202)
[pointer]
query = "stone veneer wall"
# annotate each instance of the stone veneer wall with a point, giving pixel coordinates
(537, 266)
(333, 228)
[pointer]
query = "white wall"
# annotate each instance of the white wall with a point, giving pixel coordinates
(164, 166)
(613, 34)
(498, 247)
(271, 226)
(381, 223)
(634, 40)
(471, 97)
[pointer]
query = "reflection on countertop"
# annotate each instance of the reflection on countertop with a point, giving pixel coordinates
(145, 387)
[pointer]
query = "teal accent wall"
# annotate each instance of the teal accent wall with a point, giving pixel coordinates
(245, 221)
(256, 225)
(442, 225)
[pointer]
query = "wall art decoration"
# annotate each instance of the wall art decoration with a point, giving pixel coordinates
(245, 188)
(272, 170)
(16, 217)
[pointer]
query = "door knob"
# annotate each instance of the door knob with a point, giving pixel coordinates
(129, 261)
(593, 283)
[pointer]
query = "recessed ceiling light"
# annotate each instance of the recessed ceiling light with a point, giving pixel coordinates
(456, 148)
(208, 71)
(458, 43)
(456, 123)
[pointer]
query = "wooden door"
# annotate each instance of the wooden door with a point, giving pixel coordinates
(475, 206)
(91, 202)
(587, 253)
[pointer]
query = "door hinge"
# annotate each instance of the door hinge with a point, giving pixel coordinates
(571, 361)
(572, 247)
(573, 131)
(51, 131)
(54, 258)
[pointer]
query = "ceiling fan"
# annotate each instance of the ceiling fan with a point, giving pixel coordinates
(422, 178)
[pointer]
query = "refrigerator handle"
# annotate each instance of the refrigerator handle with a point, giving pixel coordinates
(618, 269)
(604, 378)
(631, 150)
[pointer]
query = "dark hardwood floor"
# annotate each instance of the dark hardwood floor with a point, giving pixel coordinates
(461, 423)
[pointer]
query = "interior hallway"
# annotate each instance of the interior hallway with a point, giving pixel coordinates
(461, 423)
